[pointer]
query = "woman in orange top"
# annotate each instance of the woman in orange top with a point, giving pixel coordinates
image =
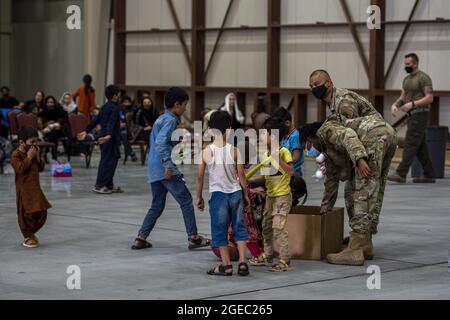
(86, 97)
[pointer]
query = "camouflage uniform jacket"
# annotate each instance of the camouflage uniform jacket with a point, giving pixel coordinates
(345, 141)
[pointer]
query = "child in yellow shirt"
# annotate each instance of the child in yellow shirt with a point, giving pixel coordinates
(278, 169)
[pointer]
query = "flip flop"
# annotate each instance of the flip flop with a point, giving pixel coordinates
(116, 189)
(102, 191)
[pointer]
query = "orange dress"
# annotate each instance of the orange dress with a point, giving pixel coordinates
(85, 103)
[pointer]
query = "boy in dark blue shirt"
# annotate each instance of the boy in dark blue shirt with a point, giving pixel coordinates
(109, 138)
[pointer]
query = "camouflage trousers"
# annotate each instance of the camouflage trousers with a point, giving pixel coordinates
(274, 228)
(364, 198)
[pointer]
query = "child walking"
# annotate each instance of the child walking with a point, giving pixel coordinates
(110, 139)
(227, 185)
(32, 205)
(279, 170)
(164, 175)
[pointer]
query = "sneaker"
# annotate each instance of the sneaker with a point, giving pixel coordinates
(134, 158)
(30, 243)
(395, 177)
(424, 180)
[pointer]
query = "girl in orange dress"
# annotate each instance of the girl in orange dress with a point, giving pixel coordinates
(86, 97)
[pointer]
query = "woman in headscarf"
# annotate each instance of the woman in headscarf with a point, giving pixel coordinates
(231, 106)
(53, 122)
(67, 103)
(86, 97)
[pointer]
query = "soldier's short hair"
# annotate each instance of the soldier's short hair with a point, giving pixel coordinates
(320, 72)
(413, 56)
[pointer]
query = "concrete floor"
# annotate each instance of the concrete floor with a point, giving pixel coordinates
(95, 233)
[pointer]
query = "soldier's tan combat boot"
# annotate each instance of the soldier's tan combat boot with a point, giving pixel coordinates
(368, 248)
(395, 177)
(353, 255)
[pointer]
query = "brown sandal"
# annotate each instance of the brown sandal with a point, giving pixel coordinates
(200, 242)
(142, 244)
(221, 271)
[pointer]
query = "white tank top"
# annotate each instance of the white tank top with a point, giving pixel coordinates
(222, 170)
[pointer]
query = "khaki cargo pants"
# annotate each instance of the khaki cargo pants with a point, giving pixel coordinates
(274, 225)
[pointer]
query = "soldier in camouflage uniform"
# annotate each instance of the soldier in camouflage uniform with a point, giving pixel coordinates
(350, 105)
(360, 152)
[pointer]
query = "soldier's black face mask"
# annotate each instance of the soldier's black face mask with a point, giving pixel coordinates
(409, 69)
(320, 91)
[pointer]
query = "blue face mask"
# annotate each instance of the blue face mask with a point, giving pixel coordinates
(312, 152)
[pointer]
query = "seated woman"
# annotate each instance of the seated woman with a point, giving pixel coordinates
(68, 103)
(53, 122)
(145, 118)
(36, 105)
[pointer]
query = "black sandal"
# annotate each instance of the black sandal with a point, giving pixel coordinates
(143, 244)
(243, 269)
(200, 242)
(221, 271)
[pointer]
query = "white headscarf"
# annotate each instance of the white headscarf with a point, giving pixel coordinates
(239, 116)
(71, 106)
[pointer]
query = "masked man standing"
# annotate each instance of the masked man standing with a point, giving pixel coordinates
(417, 95)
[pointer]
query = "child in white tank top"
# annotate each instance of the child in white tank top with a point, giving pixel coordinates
(227, 185)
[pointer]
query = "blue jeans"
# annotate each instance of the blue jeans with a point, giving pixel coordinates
(222, 207)
(177, 188)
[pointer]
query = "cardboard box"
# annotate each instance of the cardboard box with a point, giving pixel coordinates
(313, 235)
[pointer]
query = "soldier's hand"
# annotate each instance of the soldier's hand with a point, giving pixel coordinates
(364, 169)
(407, 107)
(394, 109)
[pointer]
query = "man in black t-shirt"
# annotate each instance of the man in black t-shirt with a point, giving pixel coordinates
(7, 102)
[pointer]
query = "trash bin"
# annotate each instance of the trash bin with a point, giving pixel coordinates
(437, 138)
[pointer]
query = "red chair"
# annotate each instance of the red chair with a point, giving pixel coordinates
(30, 120)
(143, 145)
(78, 124)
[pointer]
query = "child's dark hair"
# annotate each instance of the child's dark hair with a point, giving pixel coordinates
(175, 95)
(27, 133)
(127, 98)
(111, 91)
(220, 120)
(283, 113)
(309, 131)
(275, 124)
